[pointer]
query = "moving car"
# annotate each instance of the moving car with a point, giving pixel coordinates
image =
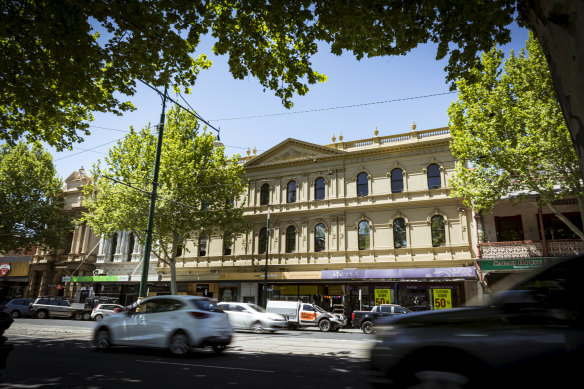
(366, 320)
(253, 317)
(19, 307)
(102, 310)
(178, 323)
(301, 314)
(529, 336)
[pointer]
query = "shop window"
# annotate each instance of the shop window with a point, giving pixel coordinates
(228, 293)
(202, 245)
(362, 184)
(397, 181)
(319, 189)
(364, 235)
(262, 240)
(399, 233)
(438, 231)
(509, 228)
(291, 192)
(227, 243)
(265, 194)
(555, 229)
(290, 239)
(434, 181)
(319, 237)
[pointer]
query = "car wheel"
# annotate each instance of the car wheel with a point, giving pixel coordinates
(324, 325)
(86, 316)
(15, 314)
(367, 327)
(102, 340)
(98, 317)
(257, 327)
(42, 315)
(219, 348)
(179, 343)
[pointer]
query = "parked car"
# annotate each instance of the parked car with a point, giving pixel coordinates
(529, 336)
(301, 314)
(102, 310)
(19, 307)
(51, 306)
(247, 316)
(178, 323)
(366, 320)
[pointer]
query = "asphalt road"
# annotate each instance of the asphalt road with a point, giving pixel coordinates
(59, 355)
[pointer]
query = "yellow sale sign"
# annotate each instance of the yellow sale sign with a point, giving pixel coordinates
(442, 298)
(382, 296)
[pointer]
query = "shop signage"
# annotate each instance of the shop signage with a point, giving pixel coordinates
(515, 263)
(382, 296)
(4, 269)
(123, 278)
(431, 272)
(442, 298)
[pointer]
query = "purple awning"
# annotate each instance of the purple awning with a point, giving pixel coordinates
(428, 272)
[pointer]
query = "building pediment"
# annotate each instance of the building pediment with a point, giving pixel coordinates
(293, 150)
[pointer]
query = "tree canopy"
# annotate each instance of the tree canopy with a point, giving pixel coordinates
(197, 188)
(58, 69)
(508, 126)
(31, 205)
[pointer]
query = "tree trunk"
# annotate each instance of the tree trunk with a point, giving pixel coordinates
(565, 220)
(559, 26)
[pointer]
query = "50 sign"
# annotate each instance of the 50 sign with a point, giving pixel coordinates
(382, 296)
(442, 298)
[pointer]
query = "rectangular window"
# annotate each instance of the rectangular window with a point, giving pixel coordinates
(509, 228)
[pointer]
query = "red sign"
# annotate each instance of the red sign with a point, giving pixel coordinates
(4, 269)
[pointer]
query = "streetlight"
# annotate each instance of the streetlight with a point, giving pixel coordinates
(266, 269)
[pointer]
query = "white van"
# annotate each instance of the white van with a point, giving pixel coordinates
(301, 314)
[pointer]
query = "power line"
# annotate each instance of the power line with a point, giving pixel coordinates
(334, 108)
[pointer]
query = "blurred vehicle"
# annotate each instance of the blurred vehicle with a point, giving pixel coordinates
(366, 320)
(301, 314)
(178, 323)
(253, 317)
(102, 310)
(19, 307)
(531, 335)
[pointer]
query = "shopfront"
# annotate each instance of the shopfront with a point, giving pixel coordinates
(13, 276)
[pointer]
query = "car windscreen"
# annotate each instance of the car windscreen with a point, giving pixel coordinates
(319, 309)
(205, 305)
(256, 308)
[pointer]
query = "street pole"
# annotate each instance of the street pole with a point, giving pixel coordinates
(148, 242)
(266, 269)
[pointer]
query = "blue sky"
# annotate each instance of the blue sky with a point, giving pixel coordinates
(223, 101)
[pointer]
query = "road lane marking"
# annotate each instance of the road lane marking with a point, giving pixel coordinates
(209, 366)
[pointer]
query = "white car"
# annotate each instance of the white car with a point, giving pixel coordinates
(178, 323)
(102, 310)
(248, 316)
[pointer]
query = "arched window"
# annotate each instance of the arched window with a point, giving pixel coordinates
(319, 237)
(290, 239)
(112, 247)
(227, 243)
(438, 231)
(319, 189)
(364, 232)
(202, 245)
(399, 233)
(397, 181)
(362, 184)
(262, 239)
(131, 244)
(265, 194)
(291, 192)
(434, 177)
